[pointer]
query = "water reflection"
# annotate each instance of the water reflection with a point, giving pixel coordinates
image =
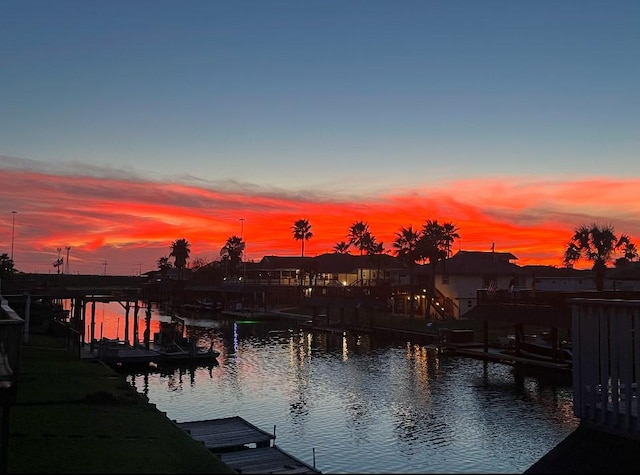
(364, 405)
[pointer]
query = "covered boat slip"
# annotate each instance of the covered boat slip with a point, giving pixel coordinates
(231, 438)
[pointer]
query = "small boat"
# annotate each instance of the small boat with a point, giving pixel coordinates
(168, 345)
(171, 343)
(540, 346)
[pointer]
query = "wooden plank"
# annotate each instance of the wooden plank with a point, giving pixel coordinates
(229, 432)
(266, 460)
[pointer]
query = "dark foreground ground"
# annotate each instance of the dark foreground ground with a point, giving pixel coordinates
(79, 416)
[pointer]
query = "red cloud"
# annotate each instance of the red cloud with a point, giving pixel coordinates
(130, 223)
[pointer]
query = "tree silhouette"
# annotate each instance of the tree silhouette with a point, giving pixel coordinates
(434, 246)
(341, 248)
(598, 244)
(302, 232)
(180, 250)
(6, 265)
(232, 252)
(406, 248)
(359, 235)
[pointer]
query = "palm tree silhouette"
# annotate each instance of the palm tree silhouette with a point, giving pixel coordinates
(232, 251)
(597, 244)
(406, 248)
(180, 250)
(302, 232)
(359, 235)
(341, 248)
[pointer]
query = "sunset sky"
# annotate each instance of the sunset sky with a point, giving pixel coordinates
(127, 125)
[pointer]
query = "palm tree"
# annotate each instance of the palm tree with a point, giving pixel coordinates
(6, 265)
(376, 249)
(406, 248)
(232, 251)
(180, 250)
(449, 234)
(435, 243)
(341, 248)
(359, 235)
(598, 245)
(302, 232)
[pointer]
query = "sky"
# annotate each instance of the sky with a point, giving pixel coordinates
(127, 125)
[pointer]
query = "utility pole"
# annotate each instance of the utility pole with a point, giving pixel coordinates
(105, 267)
(13, 231)
(58, 262)
(66, 266)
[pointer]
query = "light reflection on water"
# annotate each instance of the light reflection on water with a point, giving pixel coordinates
(367, 408)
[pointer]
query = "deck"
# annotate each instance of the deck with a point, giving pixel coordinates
(243, 446)
(118, 353)
(265, 460)
(229, 433)
(499, 355)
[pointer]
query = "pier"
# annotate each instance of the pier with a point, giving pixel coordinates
(244, 447)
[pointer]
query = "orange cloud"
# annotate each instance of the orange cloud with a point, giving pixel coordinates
(129, 222)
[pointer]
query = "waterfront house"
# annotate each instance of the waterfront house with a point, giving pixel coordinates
(276, 280)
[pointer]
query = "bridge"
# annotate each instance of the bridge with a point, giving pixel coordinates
(63, 286)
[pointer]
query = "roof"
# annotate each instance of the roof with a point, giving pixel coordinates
(333, 262)
(541, 315)
(479, 262)
(626, 271)
(539, 271)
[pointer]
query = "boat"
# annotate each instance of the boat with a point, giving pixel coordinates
(168, 345)
(203, 305)
(171, 344)
(541, 346)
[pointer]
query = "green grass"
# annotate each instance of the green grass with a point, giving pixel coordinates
(78, 416)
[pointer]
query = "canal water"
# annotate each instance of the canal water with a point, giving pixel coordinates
(350, 404)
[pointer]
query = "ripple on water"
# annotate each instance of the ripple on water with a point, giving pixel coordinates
(368, 409)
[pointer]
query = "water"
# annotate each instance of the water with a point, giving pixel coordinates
(367, 407)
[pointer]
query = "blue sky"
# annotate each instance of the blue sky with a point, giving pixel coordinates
(330, 93)
(338, 98)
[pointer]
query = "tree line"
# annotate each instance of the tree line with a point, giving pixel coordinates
(597, 244)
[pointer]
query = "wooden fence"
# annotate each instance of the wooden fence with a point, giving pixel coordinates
(606, 363)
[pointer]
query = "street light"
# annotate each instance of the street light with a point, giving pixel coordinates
(13, 231)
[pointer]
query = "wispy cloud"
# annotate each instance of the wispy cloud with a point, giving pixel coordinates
(120, 221)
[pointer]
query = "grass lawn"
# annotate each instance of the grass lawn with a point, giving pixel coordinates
(79, 416)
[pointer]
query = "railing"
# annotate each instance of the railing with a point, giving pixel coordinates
(11, 336)
(606, 363)
(69, 336)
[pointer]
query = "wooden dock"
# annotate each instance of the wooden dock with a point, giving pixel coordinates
(244, 447)
(265, 460)
(501, 356)
(229, 433)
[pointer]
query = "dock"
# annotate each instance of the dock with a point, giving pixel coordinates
(229, 433)
(265, 460)
(120, 353)
(244, 446)
(499, 355)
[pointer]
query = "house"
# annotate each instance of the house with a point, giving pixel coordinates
(276, 280)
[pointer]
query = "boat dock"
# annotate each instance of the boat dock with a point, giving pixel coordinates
(244, 447)
(499, 355)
